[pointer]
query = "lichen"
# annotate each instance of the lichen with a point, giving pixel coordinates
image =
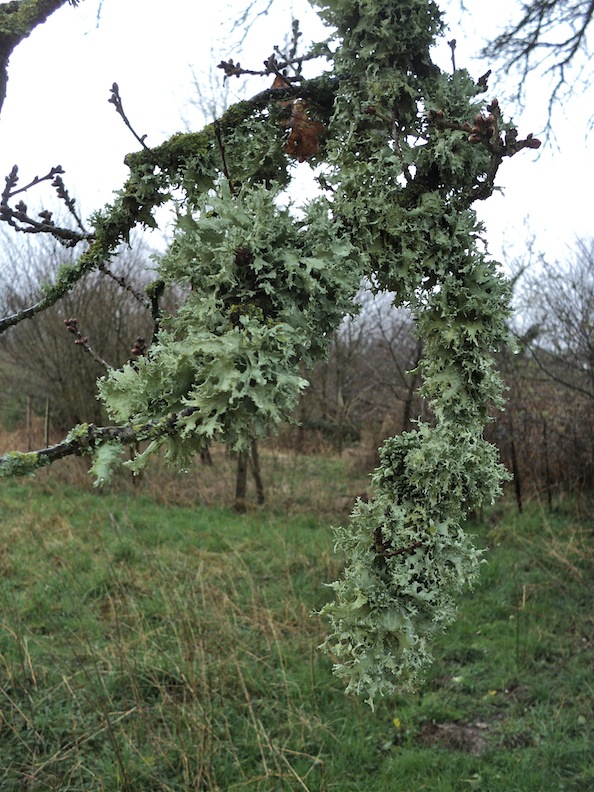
(18, 463)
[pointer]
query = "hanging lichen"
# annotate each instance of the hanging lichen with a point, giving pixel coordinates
(407, 149)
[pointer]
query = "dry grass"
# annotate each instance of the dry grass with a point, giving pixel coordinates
(325, 485)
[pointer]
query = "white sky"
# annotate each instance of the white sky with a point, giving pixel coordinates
(56, 111)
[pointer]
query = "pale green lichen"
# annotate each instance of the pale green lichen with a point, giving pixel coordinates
(79, 435)
(17, 463)
(407, 555)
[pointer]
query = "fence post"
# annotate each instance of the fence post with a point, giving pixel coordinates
(46, 423)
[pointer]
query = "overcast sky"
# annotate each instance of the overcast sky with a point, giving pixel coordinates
(56, 111)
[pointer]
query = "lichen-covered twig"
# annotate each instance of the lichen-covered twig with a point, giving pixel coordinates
(488, 131)
(86, 438)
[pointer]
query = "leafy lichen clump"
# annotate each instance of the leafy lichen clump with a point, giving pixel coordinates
(266, 294)
(18, 463)
(404, 192)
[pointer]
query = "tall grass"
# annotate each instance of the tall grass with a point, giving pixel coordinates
(145, 646)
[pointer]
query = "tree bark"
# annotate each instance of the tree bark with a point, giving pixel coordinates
(255, 466)
(515, 468)
(241, 482)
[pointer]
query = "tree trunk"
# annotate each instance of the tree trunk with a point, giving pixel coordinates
(515, 468)
(46, 423)
(205, 457)
(255, 466)
(548, 482)
(29, 423)
(241, 482)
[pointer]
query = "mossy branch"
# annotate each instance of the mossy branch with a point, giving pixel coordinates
(17, 20)
(174, 154)
(143, 191)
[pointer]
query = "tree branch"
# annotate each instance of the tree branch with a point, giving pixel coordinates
(487, 130)
(18, 218)
(85, 438)
(18, 19)
(83, 342)
(116, 100)
(538, 39)
(136, 203)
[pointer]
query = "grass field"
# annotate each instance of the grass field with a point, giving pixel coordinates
(149, 646)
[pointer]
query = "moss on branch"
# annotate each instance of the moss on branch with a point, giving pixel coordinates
(17, 20)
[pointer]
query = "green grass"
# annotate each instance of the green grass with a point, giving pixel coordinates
(149, 647)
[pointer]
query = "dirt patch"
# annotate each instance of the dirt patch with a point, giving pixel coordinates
(468, 737)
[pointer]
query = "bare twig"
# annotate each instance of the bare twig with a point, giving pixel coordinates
(63, 194)
(116, 100)
(121, 281)
(19, 219)
(271, 66)
(83, 341)
(481, 83)
(452, 46)
(13, 177)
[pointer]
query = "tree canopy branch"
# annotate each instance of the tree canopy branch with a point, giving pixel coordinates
(550, 34)
(85, 438)
(18, 19)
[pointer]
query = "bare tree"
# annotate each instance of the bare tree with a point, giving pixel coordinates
(550, 36)
(39, 358)
(368, 382)
(559, 298)
(546, 435)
